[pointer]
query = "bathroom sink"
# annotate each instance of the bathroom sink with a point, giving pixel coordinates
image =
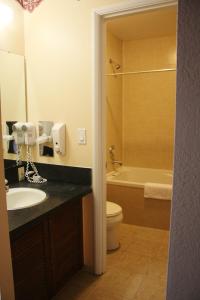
(18, 198)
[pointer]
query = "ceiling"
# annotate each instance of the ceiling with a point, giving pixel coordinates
(148, 24)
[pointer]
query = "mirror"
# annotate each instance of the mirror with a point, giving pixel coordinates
(12, 95)
(10, 143)
(45, 138)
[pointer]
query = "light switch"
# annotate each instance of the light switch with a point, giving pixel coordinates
(82, 136)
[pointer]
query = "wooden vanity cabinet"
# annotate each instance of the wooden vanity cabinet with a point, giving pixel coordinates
(66, 240)
(46, 254)
(29, 264)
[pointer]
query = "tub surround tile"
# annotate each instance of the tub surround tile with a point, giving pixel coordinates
(157, 213)
(138, 210)
(114, 104)
(148, 116)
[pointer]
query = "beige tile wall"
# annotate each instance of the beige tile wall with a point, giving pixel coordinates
(114, 99)
(139, 211)
(140, 121)
(149, 103)
(141, 108)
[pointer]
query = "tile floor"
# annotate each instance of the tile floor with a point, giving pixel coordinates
(137, 271)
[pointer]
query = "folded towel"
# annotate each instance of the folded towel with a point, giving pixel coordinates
(158, 191)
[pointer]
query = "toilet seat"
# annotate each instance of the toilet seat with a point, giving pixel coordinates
(112, 209)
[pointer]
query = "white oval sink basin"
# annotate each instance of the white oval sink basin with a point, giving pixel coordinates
(18, 198)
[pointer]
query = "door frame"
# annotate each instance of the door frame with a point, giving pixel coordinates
(6, 272)
(99, 115)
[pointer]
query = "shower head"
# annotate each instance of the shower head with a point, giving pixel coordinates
(115, 65)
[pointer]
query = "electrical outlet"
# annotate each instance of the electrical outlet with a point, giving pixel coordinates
(82, 136)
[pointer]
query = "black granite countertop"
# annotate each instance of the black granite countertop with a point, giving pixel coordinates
(58, 193)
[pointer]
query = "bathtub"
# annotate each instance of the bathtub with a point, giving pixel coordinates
(137, 177)
(126, 188)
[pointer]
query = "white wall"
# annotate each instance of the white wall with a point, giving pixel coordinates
(58, 47)
(12, 35)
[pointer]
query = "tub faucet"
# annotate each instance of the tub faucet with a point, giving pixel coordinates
(6, 185)
(117, 162)
(112, 156)
(111, 151)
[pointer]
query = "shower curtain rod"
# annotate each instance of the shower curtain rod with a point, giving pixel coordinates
(141, 72)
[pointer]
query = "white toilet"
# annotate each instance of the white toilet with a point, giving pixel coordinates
(114, 218)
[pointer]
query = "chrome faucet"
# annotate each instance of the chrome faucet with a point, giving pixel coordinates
(117, 162)
(111, 151)
(112, 156)
(6, 185)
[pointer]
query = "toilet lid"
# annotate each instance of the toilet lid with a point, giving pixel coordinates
(112, 209)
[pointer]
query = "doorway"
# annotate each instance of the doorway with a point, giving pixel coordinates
(99, 120)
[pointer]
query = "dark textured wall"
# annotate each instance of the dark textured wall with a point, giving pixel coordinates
(184, 261)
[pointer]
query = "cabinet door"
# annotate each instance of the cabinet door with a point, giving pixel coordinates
(66, 238)
(28, 255)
